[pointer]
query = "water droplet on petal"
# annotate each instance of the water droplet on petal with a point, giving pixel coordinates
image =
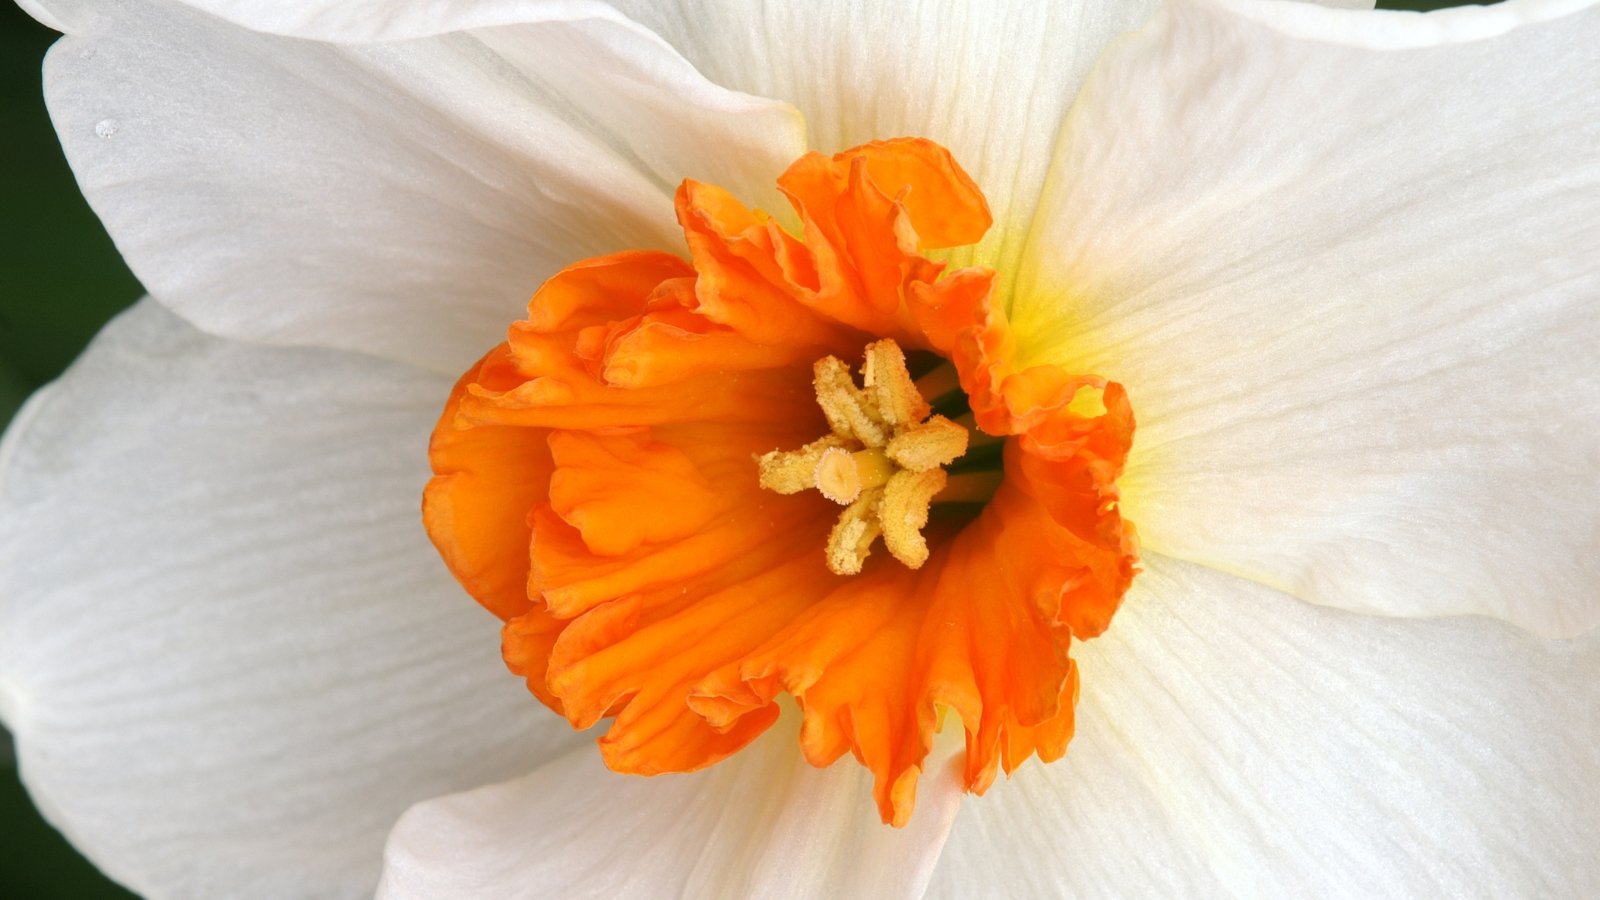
(106, 127)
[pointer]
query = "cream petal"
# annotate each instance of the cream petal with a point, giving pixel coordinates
(402, 199)
(1235, 742)
(227, 652)
(1350, 290)
(763, 824)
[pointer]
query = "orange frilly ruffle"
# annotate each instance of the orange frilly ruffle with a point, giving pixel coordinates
(596, 488)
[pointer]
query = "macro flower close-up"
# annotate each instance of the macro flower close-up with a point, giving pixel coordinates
(806, 449)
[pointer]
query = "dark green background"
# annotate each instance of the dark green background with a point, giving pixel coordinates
(60, 280)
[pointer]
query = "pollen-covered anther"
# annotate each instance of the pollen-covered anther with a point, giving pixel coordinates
(851, 539)
(796, 470)
(933, 444)
(851, 412)
(883, 460)
(903, 512)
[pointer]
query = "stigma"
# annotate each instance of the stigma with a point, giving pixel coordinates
(883, 459)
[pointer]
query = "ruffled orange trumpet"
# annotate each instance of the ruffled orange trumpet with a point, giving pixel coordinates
(671, 485)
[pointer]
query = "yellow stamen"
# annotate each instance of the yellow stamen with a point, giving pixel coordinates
(883, 460)
(796, 470)
(850, 413)
(884, 375)
(933, 444)
(851, 539)
(904, 510)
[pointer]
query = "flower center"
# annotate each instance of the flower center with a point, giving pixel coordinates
(883, 459)
(607, 482)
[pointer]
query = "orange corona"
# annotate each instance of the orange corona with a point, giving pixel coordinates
(673, 487)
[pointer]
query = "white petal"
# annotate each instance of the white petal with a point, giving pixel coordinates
(761, 824)
(991, 81)
(383, 20)
(228, 654)
(44, 12)
(1351, 293)
(354, 21)
(402, 199)
(1234, 742)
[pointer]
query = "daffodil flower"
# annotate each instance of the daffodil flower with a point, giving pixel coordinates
(1338, 267)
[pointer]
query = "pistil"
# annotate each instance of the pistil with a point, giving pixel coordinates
(883, 459)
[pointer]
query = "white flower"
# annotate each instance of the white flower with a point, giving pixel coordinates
(1346, 264)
